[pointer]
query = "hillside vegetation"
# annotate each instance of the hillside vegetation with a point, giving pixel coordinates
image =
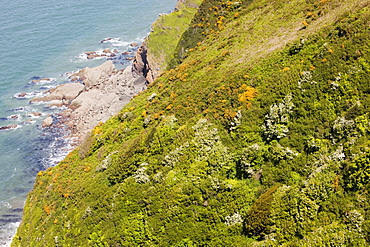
(256, 134)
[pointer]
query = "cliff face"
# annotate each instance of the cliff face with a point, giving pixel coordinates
(255, 134)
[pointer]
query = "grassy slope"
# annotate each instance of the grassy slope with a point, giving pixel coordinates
(166, 33)
(278, 88)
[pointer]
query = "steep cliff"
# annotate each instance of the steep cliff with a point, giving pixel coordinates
(255, 134)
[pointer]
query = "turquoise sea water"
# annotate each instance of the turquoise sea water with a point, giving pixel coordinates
(45, 39)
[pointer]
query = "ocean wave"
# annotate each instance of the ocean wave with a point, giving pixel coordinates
(117, 42)
(18, 109)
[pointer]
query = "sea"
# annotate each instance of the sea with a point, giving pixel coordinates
(41, 43)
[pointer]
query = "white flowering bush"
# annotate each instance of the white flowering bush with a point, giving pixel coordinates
(276, 120)
(236, 121)
(306, 78)
(233, 219)
(140, 175)
(343, 128)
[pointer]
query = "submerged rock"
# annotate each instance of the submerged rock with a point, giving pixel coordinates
(35, 114)
(107, 50)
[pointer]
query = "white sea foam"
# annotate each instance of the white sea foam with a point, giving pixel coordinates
(120, 43)
(5, 204)
(27, 95)
(42, 81)
(7, 233)
(57, 150)
(47, 87)
(34, 115)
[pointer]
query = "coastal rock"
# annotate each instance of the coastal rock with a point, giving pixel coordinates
(134, 44)
(141, 65)
(107, 50)
(43, 80)
(106, 40)
(93, 56)
(47, 122)
(29, 121)
(68, 91)
(21, 95)
(34, 114)
(91, 76)
(13, 117)
(103, 100)
(8, 127)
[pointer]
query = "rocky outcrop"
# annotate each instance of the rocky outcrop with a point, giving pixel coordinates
(102, 93)
(141, 65)
(67, 91)
(104, 99)
(91, 76)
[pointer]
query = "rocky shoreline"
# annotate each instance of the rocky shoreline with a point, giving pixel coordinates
(93, 95)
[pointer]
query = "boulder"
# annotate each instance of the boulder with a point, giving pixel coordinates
(91, 76)
(134, 44)
(47, 122)
(68, 91)
(106, 40)
(29, 121)
(35, 114)
(56, 103)
(107, 50)
(21, 95)
(93, 56)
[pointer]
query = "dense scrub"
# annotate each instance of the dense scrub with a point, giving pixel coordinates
(256, 135)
